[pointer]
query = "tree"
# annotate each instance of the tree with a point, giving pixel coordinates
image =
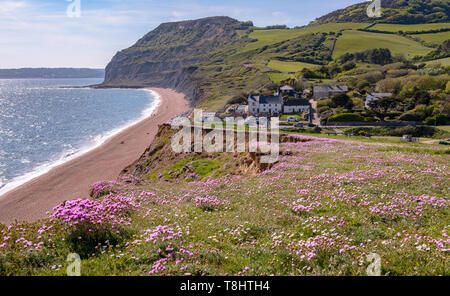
(340, 100)
(382, 106)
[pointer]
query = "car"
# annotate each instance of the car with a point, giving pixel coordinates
(312, 125)
(292, 119)
(299, 124)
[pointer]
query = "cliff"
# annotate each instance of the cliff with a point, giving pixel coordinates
(166, 56)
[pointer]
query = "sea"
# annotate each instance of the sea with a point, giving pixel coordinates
(46, 122)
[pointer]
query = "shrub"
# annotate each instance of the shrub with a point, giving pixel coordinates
(341, 100)
(394, 114)
(440, 119)
(362, 84)
(415, 131)
(346, 117)
(410, 116)
(369, 119)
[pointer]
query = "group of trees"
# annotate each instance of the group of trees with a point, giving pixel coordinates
(421, 108)
(380, 56)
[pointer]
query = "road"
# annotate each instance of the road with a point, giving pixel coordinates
(316, 119)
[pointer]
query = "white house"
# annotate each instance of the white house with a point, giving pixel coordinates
(325, 91)
(296, 106)
(241, 109)
(375, 96)
(265, 105)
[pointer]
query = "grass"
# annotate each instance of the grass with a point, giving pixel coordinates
(410, 28)
(202, 167)
(356, 41)
(269, 37)
(445, 127)
(443, 62)
(434, 38)
(278, 77)
(289, 67)
(319, 211)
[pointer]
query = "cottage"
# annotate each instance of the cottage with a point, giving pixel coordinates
(324, 91)
(288, 90)
(265, 105)
(296, 106)
(375, 97)
(241, 109)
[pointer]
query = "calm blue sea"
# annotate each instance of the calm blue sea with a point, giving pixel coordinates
(43, 125)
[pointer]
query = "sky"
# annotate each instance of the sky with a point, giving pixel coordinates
(40, 33)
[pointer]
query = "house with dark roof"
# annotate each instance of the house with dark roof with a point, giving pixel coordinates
(292, 106)
(375, 97)
(325, 91)
(265, 105)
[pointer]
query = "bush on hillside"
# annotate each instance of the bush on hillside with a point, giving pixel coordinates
(410, 116)
(346, 117)
(440, 119)
(415, 131)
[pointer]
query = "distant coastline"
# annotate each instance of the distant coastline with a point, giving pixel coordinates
(51, 73)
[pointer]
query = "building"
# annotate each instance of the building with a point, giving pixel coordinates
(296, 106)
(288, 90)
(272, 105)
(324, 91)
(241, 109)
(375, 97)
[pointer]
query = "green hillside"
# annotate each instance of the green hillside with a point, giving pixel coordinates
(217, 59)
(289, 67)
(393, 11)
(356, 41)
(268, 37)
(410, 28)
(444, 62)
(434, 38)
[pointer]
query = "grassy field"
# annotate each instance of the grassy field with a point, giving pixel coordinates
(443, 62)
(445, 127)
(409, 28)
(268, 37)
(356, 41)
(289, 67)
(278, 77)
(321, 210)
(435, 38)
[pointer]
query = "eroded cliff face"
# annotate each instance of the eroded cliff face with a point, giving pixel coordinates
(168, 56)
(159, 161)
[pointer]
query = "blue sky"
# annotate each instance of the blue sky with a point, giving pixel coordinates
(38, 33)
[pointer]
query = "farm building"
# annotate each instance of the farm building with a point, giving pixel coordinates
(296, 106)
(325, 91)
(288, 90)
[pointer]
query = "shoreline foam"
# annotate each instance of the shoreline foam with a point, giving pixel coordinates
(32, 200)
(67, 156)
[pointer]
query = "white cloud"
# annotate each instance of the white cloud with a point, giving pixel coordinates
(9, 6)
